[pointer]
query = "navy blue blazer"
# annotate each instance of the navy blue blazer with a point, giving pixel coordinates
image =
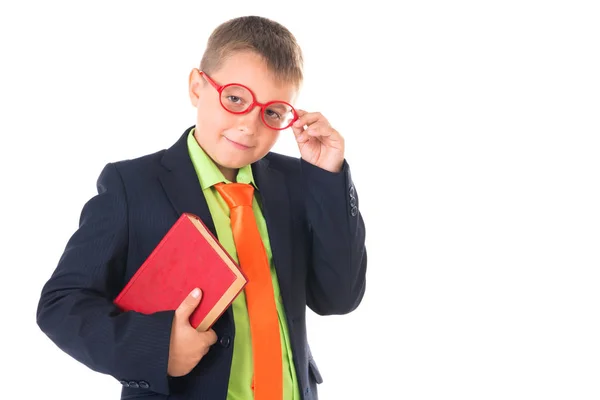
(318, 242)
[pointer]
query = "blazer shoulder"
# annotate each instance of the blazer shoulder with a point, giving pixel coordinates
(139, 169)
(286, 164)
(141, 162)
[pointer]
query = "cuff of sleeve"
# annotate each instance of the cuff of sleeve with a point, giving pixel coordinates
(149, 358)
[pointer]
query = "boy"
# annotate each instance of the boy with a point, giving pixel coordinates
(304, 214)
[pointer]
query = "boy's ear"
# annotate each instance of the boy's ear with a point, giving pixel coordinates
(194, 85)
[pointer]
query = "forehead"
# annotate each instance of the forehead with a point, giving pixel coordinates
(250, 70)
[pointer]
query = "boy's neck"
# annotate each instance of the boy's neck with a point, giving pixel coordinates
(229, 173)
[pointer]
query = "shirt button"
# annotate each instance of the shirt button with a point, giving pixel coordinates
(225, 341)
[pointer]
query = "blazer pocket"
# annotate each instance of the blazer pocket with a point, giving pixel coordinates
(312, 367)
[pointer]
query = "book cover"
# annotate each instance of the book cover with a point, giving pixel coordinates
(188, 256)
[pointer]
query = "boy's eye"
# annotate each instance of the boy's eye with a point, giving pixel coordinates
(235, 103)
(278, 111)
(234, 99)
(272, 114)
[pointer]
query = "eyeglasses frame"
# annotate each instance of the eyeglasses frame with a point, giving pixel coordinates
(255, 103)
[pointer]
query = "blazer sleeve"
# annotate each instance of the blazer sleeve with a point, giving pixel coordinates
(336, 279)
(75, 309)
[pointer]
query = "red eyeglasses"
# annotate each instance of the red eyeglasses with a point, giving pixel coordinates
(239, 99)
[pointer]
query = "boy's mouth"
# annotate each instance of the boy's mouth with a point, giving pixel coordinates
(236, 144)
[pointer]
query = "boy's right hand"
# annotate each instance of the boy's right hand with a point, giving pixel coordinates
(188, 345)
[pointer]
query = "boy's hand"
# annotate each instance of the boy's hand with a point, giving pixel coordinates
(188, 345)
(319, 143)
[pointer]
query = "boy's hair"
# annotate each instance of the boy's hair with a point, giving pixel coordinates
(269, 39)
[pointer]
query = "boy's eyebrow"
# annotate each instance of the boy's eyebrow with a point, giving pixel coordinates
(280, 106)
(235, 89)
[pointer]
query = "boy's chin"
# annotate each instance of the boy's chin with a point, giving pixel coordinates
(235, 164)
(227, 160)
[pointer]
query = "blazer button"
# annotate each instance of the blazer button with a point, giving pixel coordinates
(144, 385)
(133, 384)
(354, 211)
(124, 383)
(351, 191)
(352, 201)
(225, 341)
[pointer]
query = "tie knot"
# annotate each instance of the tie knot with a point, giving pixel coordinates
(236, 194)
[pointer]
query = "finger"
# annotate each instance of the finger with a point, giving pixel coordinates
(307, 118)
(210, 337)
(188, 305)
(297, 126)
(298, 130)
(301, 135)
(205, 341)
(320, 128)
(301, 112)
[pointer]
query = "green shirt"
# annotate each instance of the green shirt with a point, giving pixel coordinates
(240, 380)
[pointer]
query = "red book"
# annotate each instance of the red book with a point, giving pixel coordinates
(187, 257)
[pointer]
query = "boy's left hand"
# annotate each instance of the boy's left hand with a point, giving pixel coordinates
(319, 143)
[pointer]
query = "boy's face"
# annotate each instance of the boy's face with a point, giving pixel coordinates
(231, 140)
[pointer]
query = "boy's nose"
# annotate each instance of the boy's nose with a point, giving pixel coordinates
(250, 122)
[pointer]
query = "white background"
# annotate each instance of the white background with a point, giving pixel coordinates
(473, 134)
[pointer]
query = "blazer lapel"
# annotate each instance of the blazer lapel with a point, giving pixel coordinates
(276, 210)
(180, 182)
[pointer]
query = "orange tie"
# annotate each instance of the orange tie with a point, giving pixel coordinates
(260, 298)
